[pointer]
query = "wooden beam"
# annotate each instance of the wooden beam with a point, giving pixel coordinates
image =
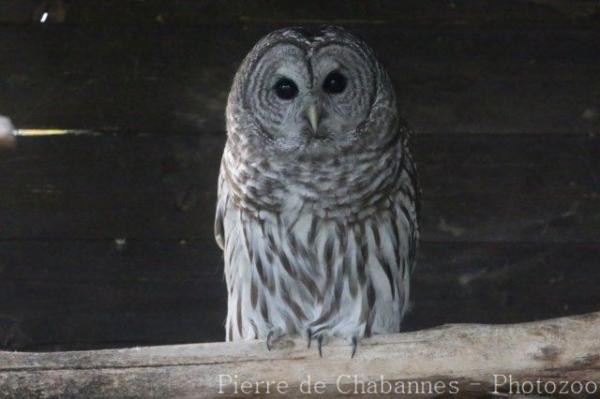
(488, 188)
(456, 79)
(465, 357)
(407, 13)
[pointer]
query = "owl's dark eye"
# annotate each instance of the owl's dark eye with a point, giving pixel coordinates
(286, 89)
(334, 83)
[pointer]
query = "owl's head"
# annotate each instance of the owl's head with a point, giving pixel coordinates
(311, 91)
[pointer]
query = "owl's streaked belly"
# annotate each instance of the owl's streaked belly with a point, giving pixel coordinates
(295, 271)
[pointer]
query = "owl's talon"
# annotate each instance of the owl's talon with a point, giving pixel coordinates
(354, 346)
(309, 337)
(320, 341)
(273, 336)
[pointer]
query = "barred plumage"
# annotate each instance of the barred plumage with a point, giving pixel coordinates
(318, 224)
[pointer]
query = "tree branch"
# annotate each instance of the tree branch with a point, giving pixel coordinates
(467, 355)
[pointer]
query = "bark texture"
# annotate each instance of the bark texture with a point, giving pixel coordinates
(564, 349)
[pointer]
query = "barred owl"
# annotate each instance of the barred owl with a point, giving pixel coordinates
(316, 212)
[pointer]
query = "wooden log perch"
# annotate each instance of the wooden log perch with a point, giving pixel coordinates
(463, 357)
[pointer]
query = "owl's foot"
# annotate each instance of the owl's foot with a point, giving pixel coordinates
(274, 335)
(354, 346)
(320, 334)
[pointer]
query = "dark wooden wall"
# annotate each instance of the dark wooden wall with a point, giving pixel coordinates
(106, 240)
(166, 66)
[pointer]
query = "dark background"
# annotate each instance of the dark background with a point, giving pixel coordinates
(106, 239)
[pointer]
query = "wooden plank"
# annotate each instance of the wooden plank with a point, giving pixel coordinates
(462, 357)
(547, 13)
(477, 188)
(88, 294)
(66, 202)
(502, 282)
(498, 217)
(176, 78)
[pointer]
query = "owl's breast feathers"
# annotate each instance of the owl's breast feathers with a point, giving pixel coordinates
(352, 185)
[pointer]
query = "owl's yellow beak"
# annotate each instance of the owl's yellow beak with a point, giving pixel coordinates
(313, 118)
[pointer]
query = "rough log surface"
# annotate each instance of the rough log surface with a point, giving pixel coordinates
(470, 354)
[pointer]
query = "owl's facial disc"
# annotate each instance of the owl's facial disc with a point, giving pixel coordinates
(305, 101)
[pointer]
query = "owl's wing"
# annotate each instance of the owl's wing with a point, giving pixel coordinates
(414, 209)
(407, 209)
(222, 199)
